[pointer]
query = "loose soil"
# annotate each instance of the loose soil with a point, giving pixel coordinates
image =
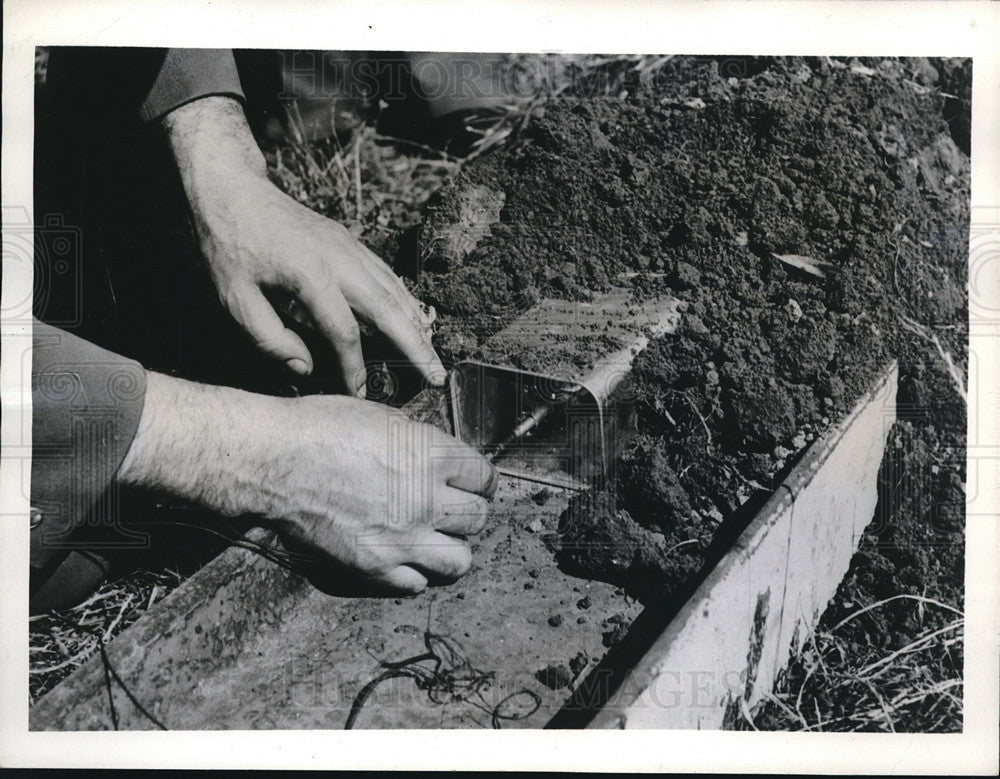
(696, 176)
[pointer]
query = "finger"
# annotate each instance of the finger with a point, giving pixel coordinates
(422, 315)
(333, 318)
(466, 469)
(403, 580)
(459, 513)
(255, 314)
(393, 282)
(439, 556)
(410, 338)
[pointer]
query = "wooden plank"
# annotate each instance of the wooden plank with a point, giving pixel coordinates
(726, 646)
(246, 644)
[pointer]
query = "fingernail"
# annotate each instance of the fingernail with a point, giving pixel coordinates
(361, 382)
(298, 366)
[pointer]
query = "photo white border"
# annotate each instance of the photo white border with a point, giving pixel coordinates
(719, 27)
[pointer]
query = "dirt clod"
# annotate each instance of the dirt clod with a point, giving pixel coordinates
(541, 497)
(555, 676)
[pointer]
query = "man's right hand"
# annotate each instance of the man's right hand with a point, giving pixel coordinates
(365, 492)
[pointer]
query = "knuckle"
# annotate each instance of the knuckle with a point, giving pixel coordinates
(264, 343)
(380, 307)
(337, 230)
(348, 334)
(368, 560)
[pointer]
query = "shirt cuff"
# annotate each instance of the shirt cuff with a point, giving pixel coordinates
(188, 74)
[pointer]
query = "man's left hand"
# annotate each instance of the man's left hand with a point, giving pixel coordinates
(257, 241)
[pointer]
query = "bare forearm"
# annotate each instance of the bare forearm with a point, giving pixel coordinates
(194, 443)
(210, 138)
(327, 472)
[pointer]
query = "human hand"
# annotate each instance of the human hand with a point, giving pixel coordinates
(398, 499)
(258, 242)
(364, 493)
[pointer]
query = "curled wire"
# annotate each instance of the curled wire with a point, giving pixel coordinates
(451, 679)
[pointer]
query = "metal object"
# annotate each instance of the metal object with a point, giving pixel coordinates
(560, 430)
(533, 426)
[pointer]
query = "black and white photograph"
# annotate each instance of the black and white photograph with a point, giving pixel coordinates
(383, 388)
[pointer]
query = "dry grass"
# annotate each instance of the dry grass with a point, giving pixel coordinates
(59, 643)
(363, 183)
(835, 684)
(375, 182)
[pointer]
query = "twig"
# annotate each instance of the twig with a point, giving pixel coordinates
(357, 177)
(914, 646)
(704, 424)
(877, 604)
(925, 332)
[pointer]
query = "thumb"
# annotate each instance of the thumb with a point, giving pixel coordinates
(255, 314)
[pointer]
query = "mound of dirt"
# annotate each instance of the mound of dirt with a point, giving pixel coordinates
(697, 177)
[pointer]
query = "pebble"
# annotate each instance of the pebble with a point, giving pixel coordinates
(612, 637)
(536, 526)
(554, 676)
(584, 602)
(556, 620)
(541, 497)
(793, 309)
(687, 276)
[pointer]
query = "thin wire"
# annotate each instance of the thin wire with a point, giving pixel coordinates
(110, 673)
(453, 679)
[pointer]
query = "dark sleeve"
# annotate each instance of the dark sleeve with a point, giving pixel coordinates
(86, 404)
(187, 74)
